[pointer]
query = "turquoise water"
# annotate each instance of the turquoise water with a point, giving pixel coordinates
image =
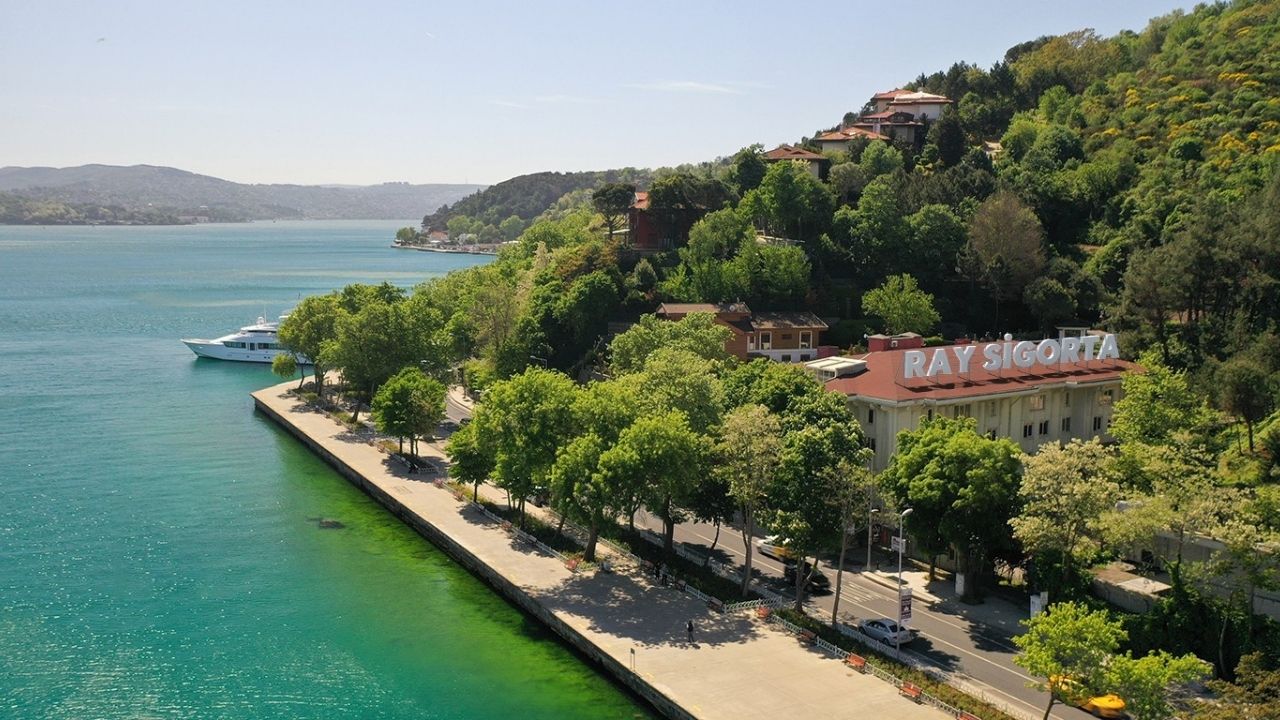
(156, 557)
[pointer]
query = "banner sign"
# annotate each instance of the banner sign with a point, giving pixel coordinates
(957, 359)
(904, 603)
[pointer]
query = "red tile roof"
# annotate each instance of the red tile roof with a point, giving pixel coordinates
(790, 152)
(889, 94)
(883, 379)
(642, 201)
(848, 134)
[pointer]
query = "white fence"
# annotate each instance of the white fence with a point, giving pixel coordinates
(525, 537)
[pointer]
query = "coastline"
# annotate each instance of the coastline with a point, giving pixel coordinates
(627, 626)
(442, 250)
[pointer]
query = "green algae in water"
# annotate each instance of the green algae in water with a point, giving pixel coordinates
(156, 554)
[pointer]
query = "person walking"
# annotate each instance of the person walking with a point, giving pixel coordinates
(688, 626)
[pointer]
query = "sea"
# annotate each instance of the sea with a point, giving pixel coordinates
(160, 555)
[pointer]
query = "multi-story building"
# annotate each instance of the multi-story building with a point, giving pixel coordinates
(779, 336)
(1054, 390)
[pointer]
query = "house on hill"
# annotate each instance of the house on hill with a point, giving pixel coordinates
(643, 232)
(780, 336)
(838, 140)
(816, 163)
(902, 114)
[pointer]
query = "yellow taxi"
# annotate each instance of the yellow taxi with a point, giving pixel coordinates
(1070, 691)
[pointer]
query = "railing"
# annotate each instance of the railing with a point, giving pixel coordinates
(522, 536)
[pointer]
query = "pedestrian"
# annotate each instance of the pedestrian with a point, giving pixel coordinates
(688, 626)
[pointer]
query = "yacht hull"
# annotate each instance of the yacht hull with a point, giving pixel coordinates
(218, 351)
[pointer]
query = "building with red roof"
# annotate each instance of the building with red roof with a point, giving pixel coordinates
(816, 163)
(839, 140)
(780, 336)
(1053, 390)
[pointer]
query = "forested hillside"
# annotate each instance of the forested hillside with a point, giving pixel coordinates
(145, 191)
(524, 196)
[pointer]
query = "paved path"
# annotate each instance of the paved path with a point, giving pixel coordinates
(735, 668)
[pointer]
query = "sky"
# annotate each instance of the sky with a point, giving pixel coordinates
(474, 92)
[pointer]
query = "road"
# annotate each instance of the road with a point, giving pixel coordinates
(947, 641)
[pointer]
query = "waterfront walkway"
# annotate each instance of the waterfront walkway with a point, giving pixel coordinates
(736, 667)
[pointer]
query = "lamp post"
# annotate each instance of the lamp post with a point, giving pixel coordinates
(897, 637)
(541, 360)
(871, 514)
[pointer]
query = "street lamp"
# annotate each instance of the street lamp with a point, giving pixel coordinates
(539, 359)
(870, 521)
(897, 637)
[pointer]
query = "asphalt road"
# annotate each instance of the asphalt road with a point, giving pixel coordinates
(946, 640)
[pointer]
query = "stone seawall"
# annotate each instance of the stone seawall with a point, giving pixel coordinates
(734, 668)
(489, 575)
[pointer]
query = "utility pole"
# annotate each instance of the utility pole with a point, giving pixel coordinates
(897, 637)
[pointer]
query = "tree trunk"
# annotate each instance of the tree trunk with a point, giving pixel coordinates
(521, 513)
(560, 525)
(1050, 707)
(631, 520)
(835, 604)
(475, 492)
(401, 445)
(748, 530)
(715, 539)
(589, 553)
(668, 528)
(933, 567)
(800, 578)
(1249, 426)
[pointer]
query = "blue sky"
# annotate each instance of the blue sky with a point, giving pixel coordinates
(369, 92)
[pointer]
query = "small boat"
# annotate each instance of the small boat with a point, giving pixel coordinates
(258, 342)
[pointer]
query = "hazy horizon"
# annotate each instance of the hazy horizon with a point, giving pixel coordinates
(475, 94)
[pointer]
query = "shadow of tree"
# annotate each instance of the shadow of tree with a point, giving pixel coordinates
(632, 608)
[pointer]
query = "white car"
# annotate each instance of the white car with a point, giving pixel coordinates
(887, 631)
(773, 547)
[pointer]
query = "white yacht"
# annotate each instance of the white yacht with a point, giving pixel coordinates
(253, 343)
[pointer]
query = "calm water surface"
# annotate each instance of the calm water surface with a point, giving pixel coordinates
(156, 557)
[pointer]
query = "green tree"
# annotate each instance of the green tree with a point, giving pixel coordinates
(677, 379)
(526, 419)
(406, 236)
(662, 457)
(377, 341)
(311, 326)
(1245, 390)
(580, 491)
(947, 134)
(750, 442)
(851, 489)
(612, 201)
(284, 366)
(961, 483)
(1050, 302)
(790, 202)
(470, 460)
(1068, 644)
(902, 305)
(1065, 492)
(1008, 242)
(1146, 683)
(1158, 407)
(409, 405)
(696, 332)
(747, 169)
(511, 228)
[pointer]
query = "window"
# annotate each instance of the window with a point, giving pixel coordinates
(965, 410)
(871, 416)
(930, 413)
(871, 443)
(751, 341)
(806, 339)
(1066, 399)
(1066, 424)
(1026, 430)
(993, 408)
(1097, 423)
(766, 341)
(787, 357)
(1044, 427)
(1106, 397)
(234, 344)
(1036, 402)
(991, 434)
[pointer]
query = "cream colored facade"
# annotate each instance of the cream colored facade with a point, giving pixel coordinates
(1058, 412)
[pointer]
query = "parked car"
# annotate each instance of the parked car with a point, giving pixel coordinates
(887, 631)
(818, 581)
(1072, 692)
(773, 547)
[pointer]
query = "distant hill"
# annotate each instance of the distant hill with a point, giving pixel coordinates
(526, 196)
(153, 191)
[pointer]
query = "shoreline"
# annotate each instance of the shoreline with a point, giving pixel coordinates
(627, 626)
(443, 250)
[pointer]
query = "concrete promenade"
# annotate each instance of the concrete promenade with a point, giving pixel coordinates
(735, 668)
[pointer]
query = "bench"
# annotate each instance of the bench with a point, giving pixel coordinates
(910, 690)
(762, 613)
(857, 662)
(808, 637)
(966, 716)
(716, 604)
